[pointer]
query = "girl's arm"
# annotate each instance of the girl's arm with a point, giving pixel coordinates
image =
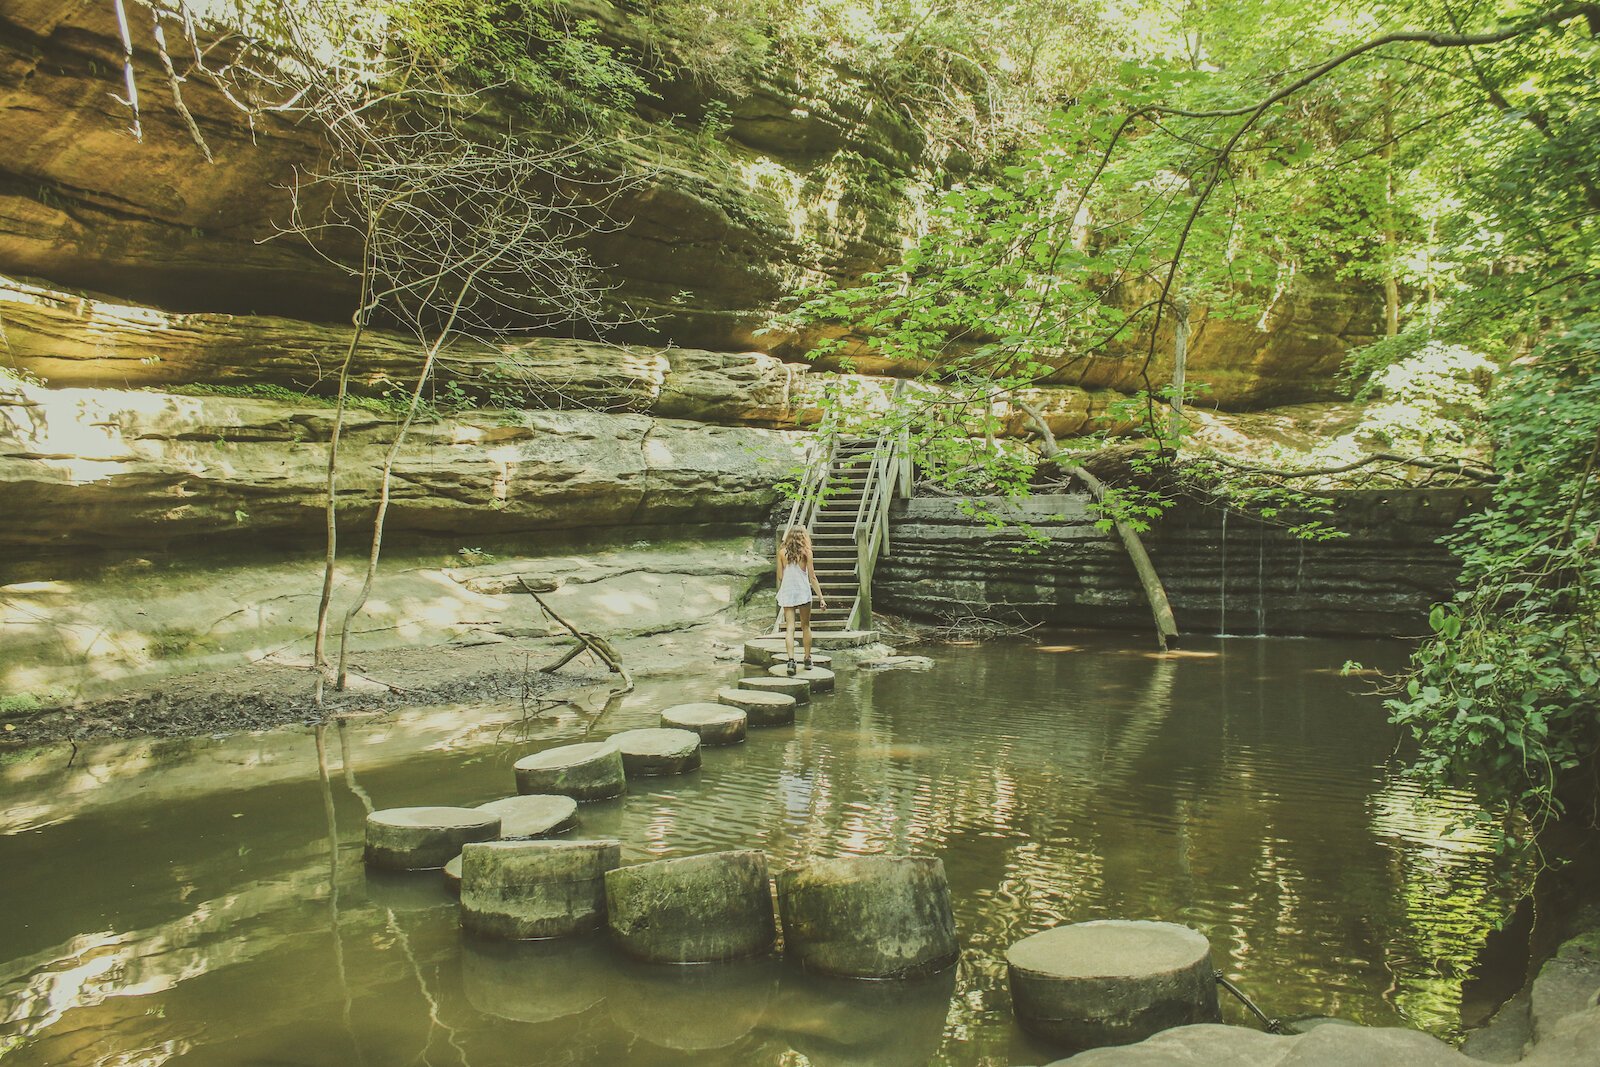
(816, 586)
(780, 564)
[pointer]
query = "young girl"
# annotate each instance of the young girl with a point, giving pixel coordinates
(796, 581)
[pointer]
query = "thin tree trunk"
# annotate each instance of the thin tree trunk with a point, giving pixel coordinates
(319, 653)
(384, 478)
(1391, 286)
(1154, 591)
(1180, 362)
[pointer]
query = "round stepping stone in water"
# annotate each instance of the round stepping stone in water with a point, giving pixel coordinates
(452, 876)
(1111, 982)
(539, 815)
(696, 909)
(717, 724)
(798, 688)
(652, 752)
(764, 709)
(821, 678)
(765, 651)
(591, 771)
(514, 890)
(868, 916)
(418, 839)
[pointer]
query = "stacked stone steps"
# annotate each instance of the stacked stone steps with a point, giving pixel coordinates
(833, 541)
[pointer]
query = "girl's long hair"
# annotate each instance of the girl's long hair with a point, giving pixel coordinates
(796, 544)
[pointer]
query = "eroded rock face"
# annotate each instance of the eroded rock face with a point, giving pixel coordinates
(1223, 574)
(733, 225)
(83, 466)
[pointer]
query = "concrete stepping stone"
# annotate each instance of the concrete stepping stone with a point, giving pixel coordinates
(418, 839)
(717, 724)
(515, 890)
(646, 753)
(694, 909)
(1111, 982)
(798, 688)
(537, 815)
(763, 709)
(765, 651)
(821, 678)
(452, 875)
(590, 771)
(868, 916)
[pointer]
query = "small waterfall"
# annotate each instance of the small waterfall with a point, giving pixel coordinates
(1261, 582)
(1222, 620)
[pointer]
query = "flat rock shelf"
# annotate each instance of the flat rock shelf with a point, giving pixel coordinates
(422, 838)
(590, 771)
(764, 709)
(1111, 982)
(717, 724)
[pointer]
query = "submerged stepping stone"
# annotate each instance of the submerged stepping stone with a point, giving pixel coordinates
(765, 651)
(536, 981)
(539, 815)
(1111, 982)
(590, 771)
(419, 839)
(657, 751)
(896, 663)
(821, 678)
(868, 916)
(798, 688)
(695, 909)
(764, 709)
(694, 1009)
(515, 890)
(717, 724)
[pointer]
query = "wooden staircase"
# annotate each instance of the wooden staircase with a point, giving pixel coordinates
(844, 502)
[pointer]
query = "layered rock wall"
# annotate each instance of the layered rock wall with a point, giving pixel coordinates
(1224, 573)
(113, 468)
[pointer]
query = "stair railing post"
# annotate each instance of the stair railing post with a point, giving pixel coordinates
(861, 618)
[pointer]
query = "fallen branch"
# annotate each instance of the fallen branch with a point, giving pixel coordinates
(1154, 591)
(587, 642)
(1448, 466)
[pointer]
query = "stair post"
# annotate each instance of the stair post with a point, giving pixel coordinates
(861, 618)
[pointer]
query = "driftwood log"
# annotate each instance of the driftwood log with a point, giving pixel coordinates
(587, 642)
(1154, 591)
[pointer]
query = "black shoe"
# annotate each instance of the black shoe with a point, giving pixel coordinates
(791, 666)
(808, 663)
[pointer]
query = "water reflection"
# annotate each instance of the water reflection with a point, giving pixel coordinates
(221, 912)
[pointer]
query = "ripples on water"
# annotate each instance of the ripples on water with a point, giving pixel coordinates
(1241, 788)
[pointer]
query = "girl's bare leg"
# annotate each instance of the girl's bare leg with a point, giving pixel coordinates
(805, 629)
(788, 634)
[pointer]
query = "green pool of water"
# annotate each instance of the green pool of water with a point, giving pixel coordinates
(204, 901)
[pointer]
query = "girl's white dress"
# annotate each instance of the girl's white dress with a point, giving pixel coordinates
(795, 589)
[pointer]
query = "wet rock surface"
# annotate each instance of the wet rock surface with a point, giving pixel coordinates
(799, 689)
(820, 678)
